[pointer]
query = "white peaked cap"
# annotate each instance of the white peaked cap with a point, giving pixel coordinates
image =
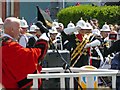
(1, 22)
(23, 23)
(105, 27)
(96, 32)
(70, 25)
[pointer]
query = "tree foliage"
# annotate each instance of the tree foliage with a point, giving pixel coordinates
(109, 14)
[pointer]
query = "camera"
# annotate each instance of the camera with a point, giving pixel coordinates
(113, 36)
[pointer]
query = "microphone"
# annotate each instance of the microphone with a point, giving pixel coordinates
(40, 25)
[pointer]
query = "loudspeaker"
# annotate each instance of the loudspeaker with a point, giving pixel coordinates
(53, 59)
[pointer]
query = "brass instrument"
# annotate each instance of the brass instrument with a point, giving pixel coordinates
(80, 48)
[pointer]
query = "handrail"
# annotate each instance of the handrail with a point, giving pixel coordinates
(60, 69)
(89, 74)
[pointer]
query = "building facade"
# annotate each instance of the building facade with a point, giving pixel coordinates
(9, 8)
(28, 10)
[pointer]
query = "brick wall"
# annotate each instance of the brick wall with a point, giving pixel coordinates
(16, 9)
(3, 10)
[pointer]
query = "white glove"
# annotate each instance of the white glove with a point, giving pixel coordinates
(87, 45)
(78, 28)
(106, 39)
(70, 30)
(54, 41)
(44, 37)
(93, 44)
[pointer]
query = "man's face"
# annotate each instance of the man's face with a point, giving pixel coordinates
(16, 31)
(23, 30)
(95, 23)
(53, 36)
(38, 32)
(85, 31)
(105, 33)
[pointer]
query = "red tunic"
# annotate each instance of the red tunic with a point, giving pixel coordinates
(18, 61)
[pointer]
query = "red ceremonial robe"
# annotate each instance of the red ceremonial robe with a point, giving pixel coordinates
(18, 61)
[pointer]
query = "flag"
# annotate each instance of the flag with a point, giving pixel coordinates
(43, 17)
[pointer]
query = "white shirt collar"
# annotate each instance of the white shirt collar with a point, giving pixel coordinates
(8, 36)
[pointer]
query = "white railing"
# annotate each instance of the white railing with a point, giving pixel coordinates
(88, 73)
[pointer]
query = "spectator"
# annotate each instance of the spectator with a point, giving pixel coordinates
(18, 61)
(77, 4)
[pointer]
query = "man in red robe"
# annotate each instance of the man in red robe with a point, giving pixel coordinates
(17, 61)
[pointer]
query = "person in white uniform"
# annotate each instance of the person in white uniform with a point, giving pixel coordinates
(23, 37)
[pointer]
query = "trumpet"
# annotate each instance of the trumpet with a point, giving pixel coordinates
(80, 48)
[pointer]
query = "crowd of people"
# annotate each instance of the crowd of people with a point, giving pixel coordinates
(24, 47)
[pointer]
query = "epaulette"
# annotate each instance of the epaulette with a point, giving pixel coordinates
(77, 41)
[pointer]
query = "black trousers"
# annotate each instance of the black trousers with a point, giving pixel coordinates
(96, 63)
